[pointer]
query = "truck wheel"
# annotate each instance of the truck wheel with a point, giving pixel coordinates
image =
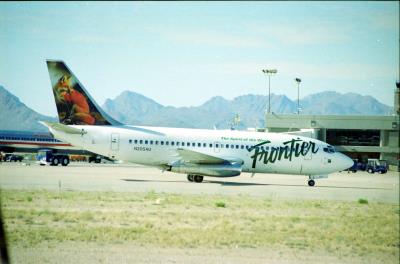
(55, 162)
(65, 161)
(370, 171)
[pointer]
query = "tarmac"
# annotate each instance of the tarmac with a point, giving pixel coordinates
(342, 186)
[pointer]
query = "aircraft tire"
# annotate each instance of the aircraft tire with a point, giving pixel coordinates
(198, 178)
(190, 177)
(311, 183)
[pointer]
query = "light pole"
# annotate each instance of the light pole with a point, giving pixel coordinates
(269, 72)
(298, 80)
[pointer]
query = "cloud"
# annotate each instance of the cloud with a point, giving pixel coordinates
(302, 33)
(385, 21)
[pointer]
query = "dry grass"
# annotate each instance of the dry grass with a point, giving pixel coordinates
(193, 221)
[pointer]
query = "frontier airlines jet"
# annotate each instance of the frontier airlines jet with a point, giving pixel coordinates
(195, 152)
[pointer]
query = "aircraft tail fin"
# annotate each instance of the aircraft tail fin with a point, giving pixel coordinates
(74, 104)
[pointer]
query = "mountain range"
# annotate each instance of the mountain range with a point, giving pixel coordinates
(15, 115)
(133, 108)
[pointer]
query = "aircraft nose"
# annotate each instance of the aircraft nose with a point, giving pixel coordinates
(345, 162)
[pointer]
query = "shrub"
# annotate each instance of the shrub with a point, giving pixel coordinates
(362, 201)
(220, 204)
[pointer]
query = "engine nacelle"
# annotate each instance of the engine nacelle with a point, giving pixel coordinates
(216, 170)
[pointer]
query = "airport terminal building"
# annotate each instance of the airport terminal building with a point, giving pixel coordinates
(358, 136)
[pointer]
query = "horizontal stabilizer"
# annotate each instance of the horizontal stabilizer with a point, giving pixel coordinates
(63, 128)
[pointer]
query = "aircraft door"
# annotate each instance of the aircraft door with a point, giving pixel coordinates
(114, 141)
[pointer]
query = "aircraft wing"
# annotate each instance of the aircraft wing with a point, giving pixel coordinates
(191, 156)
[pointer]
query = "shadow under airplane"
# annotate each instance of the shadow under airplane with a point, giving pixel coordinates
(227, 183)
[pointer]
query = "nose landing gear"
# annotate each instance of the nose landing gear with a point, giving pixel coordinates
(312, 178)
(311, 182)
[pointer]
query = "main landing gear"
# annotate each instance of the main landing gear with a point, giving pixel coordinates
(195, 178)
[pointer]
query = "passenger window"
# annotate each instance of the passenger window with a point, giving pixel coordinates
(145, 142)
(204, 145)
(211, 145)
(241, 146)
(166, 143)
(237, 146)
(199, 145)
(226, 146)
(156, 142)
(193, 144)
(151, 142)
(188, 144)
(130, 141)
(140, 141)
(232, 146)
(216, 145)
(172, 143)
(161, 142)
(177, 143)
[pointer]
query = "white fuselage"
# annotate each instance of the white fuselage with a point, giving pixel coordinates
(157, 146)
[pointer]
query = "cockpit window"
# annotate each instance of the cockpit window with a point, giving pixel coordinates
(329, 149)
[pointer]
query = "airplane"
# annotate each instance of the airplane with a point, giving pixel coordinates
(29, 141)
(195, 152)
(12, 141)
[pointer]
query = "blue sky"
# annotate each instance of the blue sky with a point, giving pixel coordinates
(183, 53)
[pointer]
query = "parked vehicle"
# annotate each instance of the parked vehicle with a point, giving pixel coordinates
(375, 165)
(15, 158)
(95, 159)
(354, 167)
(361, 166)
(47, 157)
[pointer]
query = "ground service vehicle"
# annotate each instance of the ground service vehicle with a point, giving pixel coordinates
(354, 167)
(375, 165)
(95, 159)
(14, 158)
(47, 157)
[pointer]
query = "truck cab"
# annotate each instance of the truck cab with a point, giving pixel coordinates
(375, 165)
